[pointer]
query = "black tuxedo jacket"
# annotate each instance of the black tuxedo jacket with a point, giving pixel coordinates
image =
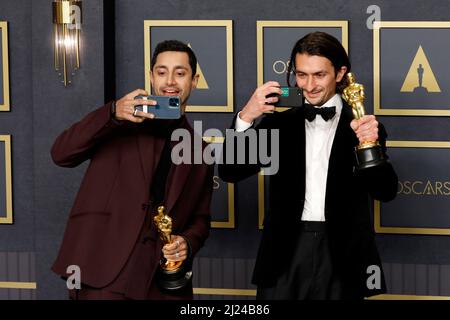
(347, 204)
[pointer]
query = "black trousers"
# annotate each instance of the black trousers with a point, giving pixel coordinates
(310, 275)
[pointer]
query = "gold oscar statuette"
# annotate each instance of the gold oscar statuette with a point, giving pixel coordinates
(172, 275)
(368, 153)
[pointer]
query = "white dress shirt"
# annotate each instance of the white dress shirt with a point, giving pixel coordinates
(319, 140)
(319, 137)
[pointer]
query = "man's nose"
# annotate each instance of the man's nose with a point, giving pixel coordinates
(170, 80)
(310, 84)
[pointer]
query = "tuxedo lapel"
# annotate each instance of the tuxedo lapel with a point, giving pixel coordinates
(301, 151)
(344, 138)
(341, 156)
(343, 133)
(293, 153)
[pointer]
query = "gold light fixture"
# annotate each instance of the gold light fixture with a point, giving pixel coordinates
(67, 25)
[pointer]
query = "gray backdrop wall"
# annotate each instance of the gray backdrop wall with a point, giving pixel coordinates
(41, 108)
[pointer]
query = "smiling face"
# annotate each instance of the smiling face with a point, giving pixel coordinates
(317, 77)
(172, 76)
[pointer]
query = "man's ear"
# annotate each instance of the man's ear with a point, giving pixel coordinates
(195, 81)
(341, 73)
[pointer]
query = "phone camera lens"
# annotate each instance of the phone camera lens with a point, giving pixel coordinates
(173, 102)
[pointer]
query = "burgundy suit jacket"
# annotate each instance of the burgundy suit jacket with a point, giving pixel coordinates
(109, 210)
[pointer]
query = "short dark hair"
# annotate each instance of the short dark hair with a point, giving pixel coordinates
(324, 45)
(175, 45)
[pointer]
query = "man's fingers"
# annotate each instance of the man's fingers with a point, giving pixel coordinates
(135, 119)
(137, 116)
(137, 92)
(354, 125)
(178, 256)
(173, 248)
(367, 119)
(271, 84)
(271, 100)
(369, 126)
(370, 134)
(178, 245)
(273, 90)
(265, 91)
(267, 108)
(174, 251)
(146, 115)
(365, 123)
(137, 102)
(126, 107)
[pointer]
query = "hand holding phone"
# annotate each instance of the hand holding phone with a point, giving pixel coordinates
(124, 108)
(290, 97)
(167, 107)
(258, 103)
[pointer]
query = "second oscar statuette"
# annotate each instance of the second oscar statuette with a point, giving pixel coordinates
(171, 275)
(368, 153)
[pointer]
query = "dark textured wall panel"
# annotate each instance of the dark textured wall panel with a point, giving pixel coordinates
(55, 108)
(19, 124)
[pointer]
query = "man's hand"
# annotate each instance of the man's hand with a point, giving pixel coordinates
(366, 128)
(177, 250)
(125, 107)
(256, 106)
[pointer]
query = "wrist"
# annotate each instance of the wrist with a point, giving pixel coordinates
(244, 117)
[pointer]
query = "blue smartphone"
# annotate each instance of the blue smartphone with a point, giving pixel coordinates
(167, 107)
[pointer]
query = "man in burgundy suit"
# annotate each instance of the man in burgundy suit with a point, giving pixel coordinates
(110, 234)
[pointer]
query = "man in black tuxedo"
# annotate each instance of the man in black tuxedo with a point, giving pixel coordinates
(318, 239)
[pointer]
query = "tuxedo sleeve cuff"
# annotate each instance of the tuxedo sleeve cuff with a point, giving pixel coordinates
(241, 125)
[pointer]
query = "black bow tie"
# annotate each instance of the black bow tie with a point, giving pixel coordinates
(327, 113)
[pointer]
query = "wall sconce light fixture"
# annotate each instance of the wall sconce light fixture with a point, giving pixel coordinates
(67, 27)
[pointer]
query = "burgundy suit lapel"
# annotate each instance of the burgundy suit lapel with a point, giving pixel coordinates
(150, 149)
(177, 179)
(178, 173)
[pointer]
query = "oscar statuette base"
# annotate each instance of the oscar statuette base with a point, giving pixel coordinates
(368, 156)
(171, 280)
